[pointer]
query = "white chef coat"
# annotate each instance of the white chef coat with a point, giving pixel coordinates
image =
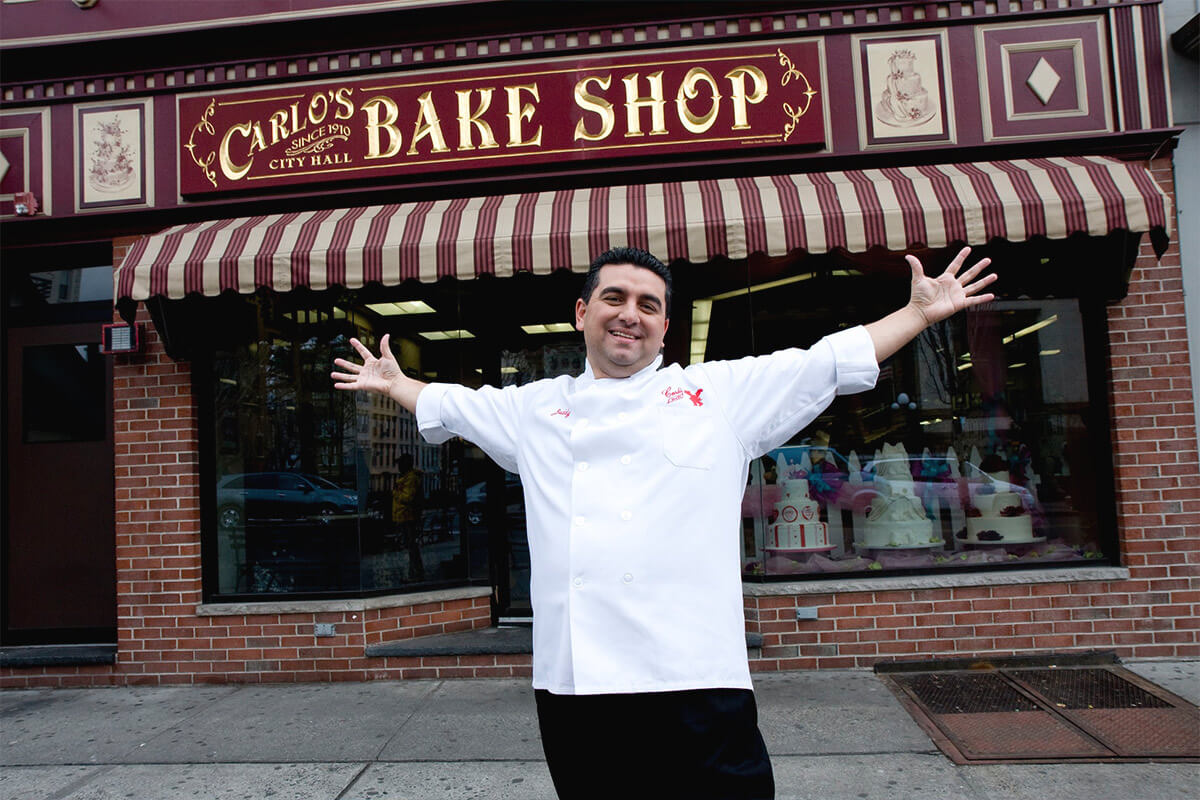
(633, 492)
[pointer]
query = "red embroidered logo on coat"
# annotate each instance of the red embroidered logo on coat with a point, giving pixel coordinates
(562, 412)
(672, 394)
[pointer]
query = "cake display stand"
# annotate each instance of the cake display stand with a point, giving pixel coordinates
(789, 551)
(860, 547)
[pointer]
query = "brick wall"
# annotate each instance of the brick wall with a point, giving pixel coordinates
(1156, 613)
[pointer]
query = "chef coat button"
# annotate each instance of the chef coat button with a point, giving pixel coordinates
(579, 521)
(627, 577)
(627, 515)
(582, 466)
(578, 581)
(626, 459)
(622, 416)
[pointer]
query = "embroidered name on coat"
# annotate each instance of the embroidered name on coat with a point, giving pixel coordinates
(672, 394)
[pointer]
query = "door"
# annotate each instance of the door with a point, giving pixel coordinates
(60, 551)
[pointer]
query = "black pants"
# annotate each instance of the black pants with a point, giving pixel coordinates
(701, 743)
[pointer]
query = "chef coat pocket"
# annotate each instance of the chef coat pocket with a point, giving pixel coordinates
(687, 437)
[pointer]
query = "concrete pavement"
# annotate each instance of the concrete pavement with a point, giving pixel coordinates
(833, 735)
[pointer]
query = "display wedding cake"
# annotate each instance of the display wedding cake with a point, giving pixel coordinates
(797, 525)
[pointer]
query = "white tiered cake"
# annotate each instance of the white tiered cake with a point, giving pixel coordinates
(999, 518)
(797, 525)
(897, 516)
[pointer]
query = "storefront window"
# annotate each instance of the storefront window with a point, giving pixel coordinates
(978, 448)
(320, 491)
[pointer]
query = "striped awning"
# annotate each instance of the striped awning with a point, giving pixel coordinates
(897, 208)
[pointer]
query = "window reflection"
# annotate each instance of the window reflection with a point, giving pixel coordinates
(325, 491)
(972, 451)
(978, 448)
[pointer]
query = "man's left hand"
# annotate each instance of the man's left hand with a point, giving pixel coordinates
(935, 299)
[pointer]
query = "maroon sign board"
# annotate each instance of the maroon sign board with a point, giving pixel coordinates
(702, 100)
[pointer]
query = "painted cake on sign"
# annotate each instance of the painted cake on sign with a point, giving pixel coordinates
(905, 101)
(797, 525)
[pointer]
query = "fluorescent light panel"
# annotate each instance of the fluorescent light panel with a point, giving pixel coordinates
(1037, 326)
(549, 327)
(440, 336)
(402, 307)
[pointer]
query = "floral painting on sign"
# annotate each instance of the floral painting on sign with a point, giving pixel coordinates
(112, 156)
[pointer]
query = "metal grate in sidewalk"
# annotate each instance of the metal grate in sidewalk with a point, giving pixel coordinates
(1049, 715)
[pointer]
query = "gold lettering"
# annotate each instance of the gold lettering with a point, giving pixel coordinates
(298, 124)
(429, 125)
(466, 119)
(234, 171)
(278, 126)
(597, 105)
(518, 113)
(634, 103)
(386, 125)
(345, 107)
(259, 142)
(314, 116)
(737, 78)
(688, 90)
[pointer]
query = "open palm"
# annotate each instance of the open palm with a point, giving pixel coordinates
(948, 293)
(373, 375)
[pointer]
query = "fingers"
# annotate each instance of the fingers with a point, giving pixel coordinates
(385, 347)
(977, 268)
(979, 299)
(343, 377)
(956, 264)
(918, 271)
(986, 280)
(347, 365)
(362, 349)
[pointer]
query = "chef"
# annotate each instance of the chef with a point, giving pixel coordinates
(633, 476)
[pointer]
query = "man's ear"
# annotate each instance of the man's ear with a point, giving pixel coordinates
(580, 306)
(666, 324)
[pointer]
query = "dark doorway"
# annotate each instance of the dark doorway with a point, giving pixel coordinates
(58, 544)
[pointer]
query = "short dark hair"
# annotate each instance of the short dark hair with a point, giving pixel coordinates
(627, 255)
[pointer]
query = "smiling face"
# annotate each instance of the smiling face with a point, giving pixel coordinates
(623, 321)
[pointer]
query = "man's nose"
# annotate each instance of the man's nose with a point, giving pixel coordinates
(628, 313)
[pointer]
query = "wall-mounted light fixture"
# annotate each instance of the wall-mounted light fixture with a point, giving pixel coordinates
(121, 337)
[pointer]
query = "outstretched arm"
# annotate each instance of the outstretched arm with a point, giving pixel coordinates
(380, 375)
(931, 300)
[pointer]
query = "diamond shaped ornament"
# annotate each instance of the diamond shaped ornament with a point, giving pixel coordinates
(1043, 80)
(3, 166)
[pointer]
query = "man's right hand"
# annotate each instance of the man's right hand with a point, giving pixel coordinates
(381, 375)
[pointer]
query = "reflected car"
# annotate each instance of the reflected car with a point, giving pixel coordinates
(268, 496)
(931, 477)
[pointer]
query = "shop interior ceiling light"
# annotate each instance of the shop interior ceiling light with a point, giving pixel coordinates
(549, 327)
(402, 307)
(441, 336)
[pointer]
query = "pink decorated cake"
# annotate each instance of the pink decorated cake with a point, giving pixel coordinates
(797, 524)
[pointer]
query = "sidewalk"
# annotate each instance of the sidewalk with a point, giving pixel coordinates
(834, 735)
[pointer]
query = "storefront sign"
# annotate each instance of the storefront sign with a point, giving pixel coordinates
(679, 101)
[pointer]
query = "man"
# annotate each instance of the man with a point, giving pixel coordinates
(406, 513)
(633, 477)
